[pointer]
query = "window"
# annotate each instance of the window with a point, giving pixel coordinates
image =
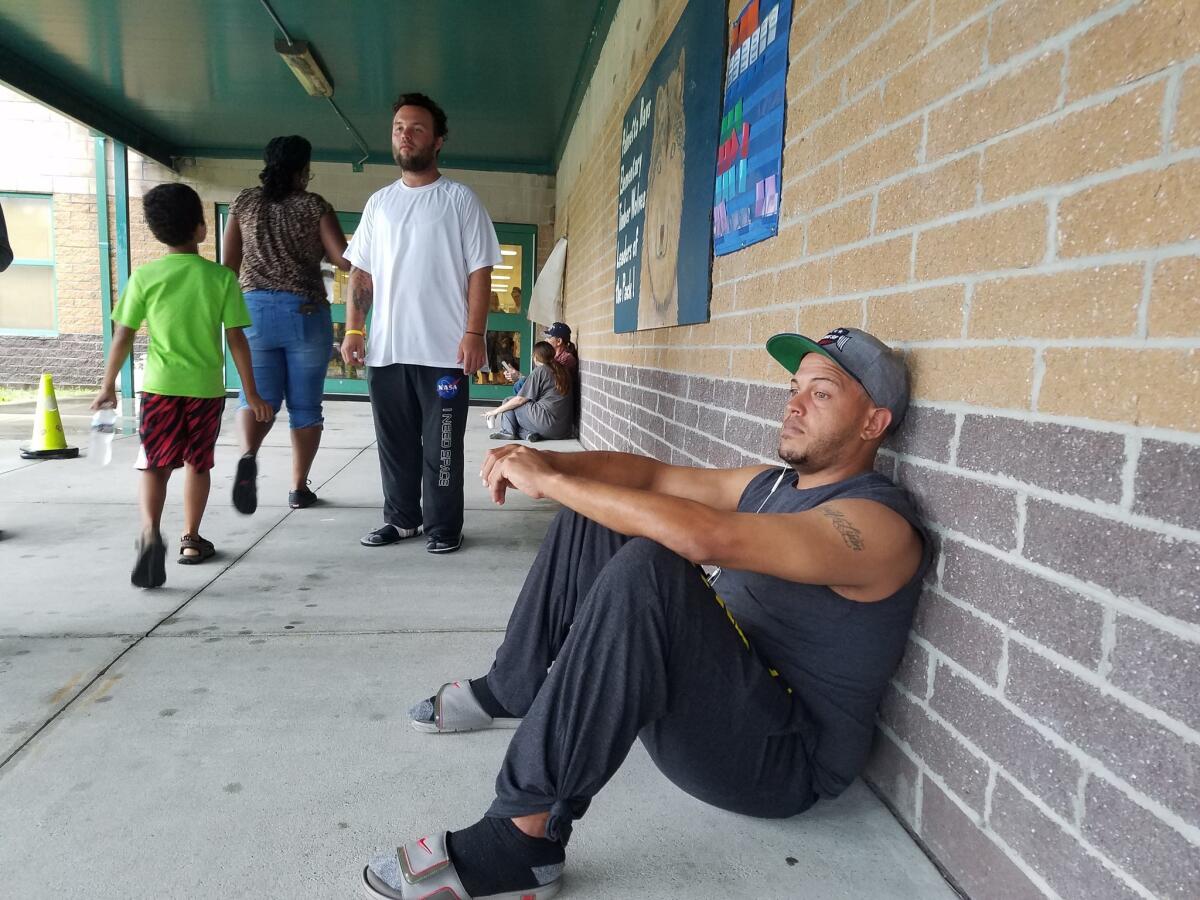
(27, 289)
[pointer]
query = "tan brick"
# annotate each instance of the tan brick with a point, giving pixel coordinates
(755, 365)
(1148, 209)
(755, 291)
(987, 376)
(846, 224)
(999, 106)
(949, 13)
(845, 128)
(1156, 388)
(1187, 117)
(884, 157)
(765, 324)
(903, 40)
(1093, 140)
(867, 268)
(803, 282)
(817, 319)
(1021, 24)
(811, 105)
(713, 363)
(850, 31)
(925, 315)
(723, 300)
(810, 21)
(805, 194)
(1101, 302)
(937, 73)
(802, 71)
(1146, 39)
(939, 192)
(1175, 299)
(1006, 239)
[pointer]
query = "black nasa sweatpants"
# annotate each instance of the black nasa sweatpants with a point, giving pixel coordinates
(420, 421)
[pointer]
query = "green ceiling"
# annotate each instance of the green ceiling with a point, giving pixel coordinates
(201, 78)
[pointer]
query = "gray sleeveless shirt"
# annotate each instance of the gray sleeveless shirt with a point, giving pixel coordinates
(837, 655)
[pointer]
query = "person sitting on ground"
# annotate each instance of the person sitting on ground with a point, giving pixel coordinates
(753, 688)
(184, 299)
(277, 235)
(565, 351)
(543, 408)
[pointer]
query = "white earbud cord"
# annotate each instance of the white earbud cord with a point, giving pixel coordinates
(713, 573)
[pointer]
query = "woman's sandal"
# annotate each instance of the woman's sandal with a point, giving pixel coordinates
(423, 869)
(204, 550)
(455, 709)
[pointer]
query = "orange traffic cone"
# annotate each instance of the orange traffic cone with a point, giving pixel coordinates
(48, 441)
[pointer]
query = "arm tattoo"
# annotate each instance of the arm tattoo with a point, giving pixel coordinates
(364, 291)
(851, 535)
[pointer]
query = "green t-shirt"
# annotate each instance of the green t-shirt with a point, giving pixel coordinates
(185, 301)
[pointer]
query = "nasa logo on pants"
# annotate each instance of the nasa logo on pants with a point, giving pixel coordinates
(447, 387)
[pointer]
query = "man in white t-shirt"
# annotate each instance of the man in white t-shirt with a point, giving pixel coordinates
(422, 259)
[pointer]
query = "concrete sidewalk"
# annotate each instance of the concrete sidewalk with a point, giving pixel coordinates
(242, 731)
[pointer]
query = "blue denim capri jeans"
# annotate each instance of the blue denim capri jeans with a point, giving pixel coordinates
(290, 352)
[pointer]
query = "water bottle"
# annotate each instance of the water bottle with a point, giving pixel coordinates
(104, 426)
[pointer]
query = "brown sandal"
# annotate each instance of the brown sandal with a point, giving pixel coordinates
(204, 550)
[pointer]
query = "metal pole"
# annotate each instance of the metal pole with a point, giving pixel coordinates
(102, 242)
(121, 189)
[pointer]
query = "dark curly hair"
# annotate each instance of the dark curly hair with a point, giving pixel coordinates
(172, 211)
(285, 158)
(439, 114)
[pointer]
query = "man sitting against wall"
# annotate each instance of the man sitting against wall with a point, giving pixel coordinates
(753, 687)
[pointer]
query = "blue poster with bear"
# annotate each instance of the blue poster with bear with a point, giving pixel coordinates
(668, 155)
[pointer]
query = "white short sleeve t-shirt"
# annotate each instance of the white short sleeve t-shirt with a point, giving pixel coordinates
(420, 245)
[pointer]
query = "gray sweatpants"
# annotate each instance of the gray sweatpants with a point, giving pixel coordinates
(640, 648)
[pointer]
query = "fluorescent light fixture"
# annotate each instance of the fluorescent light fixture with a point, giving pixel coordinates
(299, 58)
(508, 252)
(501, 267)
(500, 278)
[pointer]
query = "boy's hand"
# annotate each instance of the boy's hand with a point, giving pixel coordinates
(107, 396)
(260, 407)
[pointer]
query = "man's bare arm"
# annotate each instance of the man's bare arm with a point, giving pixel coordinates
(362, 297)
(718, 488)
(858, 547)
(472, 349)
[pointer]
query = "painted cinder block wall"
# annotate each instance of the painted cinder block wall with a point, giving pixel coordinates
(44, 152)
(1009, 192)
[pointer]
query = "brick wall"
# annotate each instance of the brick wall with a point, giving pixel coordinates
(1006, 191)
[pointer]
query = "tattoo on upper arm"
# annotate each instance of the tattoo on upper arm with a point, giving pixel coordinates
(364, 290)
(850, 534)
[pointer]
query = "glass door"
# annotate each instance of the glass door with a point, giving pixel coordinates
(340, 377)
(509, 331)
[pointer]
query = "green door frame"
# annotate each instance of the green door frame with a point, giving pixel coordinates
(523, 235)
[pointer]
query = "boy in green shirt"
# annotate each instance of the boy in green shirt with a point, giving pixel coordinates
(185, 300)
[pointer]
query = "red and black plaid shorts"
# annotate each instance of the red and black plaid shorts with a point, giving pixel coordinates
(178, 430)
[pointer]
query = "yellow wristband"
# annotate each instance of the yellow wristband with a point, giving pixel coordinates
(355, 331)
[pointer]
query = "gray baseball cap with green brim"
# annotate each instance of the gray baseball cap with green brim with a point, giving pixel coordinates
(868, 360)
